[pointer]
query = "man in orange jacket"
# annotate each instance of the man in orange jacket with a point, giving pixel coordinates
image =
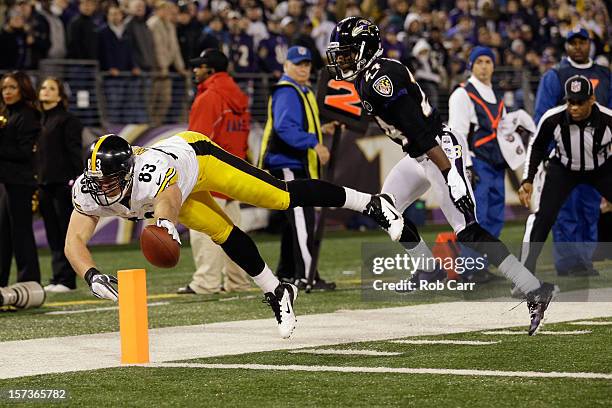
(220, 112)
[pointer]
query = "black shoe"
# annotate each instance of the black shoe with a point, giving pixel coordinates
(319, 284)
(537, 303)
(583, 271)
(323, 285)
(185, 290)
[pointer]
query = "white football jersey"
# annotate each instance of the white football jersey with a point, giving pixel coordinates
(155, 168)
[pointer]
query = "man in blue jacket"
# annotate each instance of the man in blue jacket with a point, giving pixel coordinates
(292, 148)
(577, 220)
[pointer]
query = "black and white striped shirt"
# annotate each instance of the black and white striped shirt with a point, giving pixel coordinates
(580, 146)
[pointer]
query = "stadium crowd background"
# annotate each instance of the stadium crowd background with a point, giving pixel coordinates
(433, 37)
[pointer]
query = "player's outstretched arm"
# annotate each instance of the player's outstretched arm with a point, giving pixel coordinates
(80, 230)
(167, 207)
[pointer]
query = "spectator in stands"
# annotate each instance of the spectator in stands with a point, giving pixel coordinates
(19, 133)
(60, 161)
(57, 32)
(168, 56)
(426, 71)
(82, 32)
(15, 42)
(220, 112)
(38, 30)
(214, 36)
(295, 10)
(143, 47)
(413, 30)
(272, 51)
(115, 45)
(242, 54)
(256, 27)
(304, 39)
(392, 47)
(292, 148)
(188, 31)
(324, 24)
(116, 57)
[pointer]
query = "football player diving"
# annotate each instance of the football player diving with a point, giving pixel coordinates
(171, 182)
(434, 155)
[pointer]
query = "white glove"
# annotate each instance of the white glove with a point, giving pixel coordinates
(169, 226)
(459, 192)
(102, 285)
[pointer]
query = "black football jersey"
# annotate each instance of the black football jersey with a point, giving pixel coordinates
(389, 92)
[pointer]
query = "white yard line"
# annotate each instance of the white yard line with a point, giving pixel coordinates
(99, 309)
(549, 333)
(88, 352)
(460, 342)
(346, 352)
(394, 370)
(591, 323)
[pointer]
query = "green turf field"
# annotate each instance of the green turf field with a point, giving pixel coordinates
(340, 261)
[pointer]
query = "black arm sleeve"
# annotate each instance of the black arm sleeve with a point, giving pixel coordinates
(410, 120)
(538, 148)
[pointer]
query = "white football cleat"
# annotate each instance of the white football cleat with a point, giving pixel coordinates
(381, 209)
(281, 302)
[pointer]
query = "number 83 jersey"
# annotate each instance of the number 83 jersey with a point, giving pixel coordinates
(171, 161)
(389, 92)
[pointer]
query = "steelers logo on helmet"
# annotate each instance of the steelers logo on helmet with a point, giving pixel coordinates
(353, 45)
(110, 166)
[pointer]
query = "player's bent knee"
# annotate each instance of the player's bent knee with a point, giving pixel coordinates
(221, 237)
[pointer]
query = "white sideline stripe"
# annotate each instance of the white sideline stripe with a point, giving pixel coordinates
(100, 309)
(20, 358)
(591, 323)
(346, 352)
(462, 342)
(551, 333)
(401, 370)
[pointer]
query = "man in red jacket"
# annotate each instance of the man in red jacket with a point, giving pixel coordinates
(220, 112)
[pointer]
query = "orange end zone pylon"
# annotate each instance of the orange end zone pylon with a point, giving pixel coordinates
(133, 320)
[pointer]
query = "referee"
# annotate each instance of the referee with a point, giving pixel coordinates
(582, 132)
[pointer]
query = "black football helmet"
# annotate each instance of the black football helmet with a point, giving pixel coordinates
(110, 166)
(353, 45)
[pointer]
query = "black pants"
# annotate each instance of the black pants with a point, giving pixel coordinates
(17, 236)
(558, 185)
(56, 208)
(297, 240)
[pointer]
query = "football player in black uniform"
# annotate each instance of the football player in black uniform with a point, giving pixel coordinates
(389, 92)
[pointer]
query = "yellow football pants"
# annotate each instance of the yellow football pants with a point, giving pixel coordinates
(227, 174)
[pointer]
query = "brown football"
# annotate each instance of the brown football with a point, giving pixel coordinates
(158, 247)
